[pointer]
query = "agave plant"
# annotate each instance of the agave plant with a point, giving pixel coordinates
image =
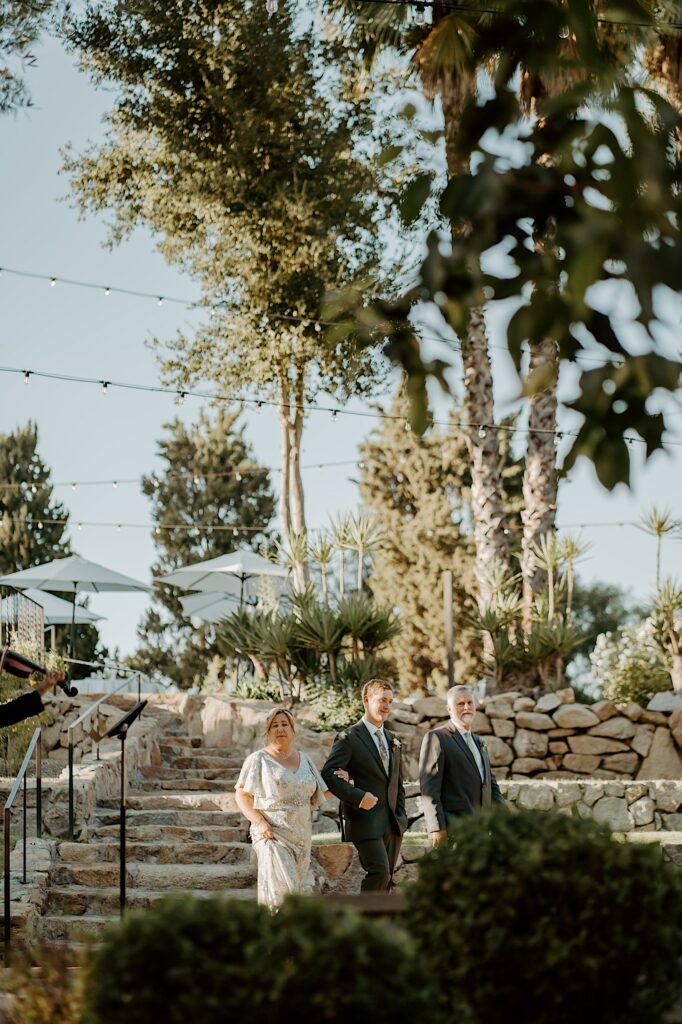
(320, 629)
(367, 625)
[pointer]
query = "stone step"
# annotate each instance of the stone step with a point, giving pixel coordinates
(180, 744)
(77, 901)
(226, 773)
(190, 748)
(201, 762)
(158, 852)
(172, 833)
(197, 801)
(177, 785)
(157, 876)
(162, 816)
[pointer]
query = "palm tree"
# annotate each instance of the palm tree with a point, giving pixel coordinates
(365, 535)
(321, 550)
(659, 523)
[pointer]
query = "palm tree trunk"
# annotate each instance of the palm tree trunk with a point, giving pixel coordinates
(540, 477)
(296, 494)
(487, 510)
(284, 509)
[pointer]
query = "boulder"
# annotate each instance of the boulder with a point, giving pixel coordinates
(667, 795)
(405, 717)
(556, 734)
(499, 707)
(613, 812)
(528, 765)
(504, 727)
(567, 794)
(672, 822)
(664, 760)
(675, 726)
(481, 724)
(534, 720)
(558, 747)
(632, 710)
(413, 807)
(523, 704)
(581, 763)
(642, 740)
(666, 701)
(566, 694)
(619, 728)
(596, 745)
(575, 716)
(642, 810)
(625, 763)
(604, 709)
(431, 707)
(548, 702)
(498, 752)
(528, 743)
(654, 718)
(535, 796)
(636, 790)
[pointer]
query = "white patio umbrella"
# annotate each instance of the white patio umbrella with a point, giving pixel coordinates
(208, 606)
(72, 575)
(58, 612)
(234, 574)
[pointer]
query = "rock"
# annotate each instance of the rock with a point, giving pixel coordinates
(581, 763)
(498, 752)
(592, 791)
(498, 707)
(635, 791)
(666, 794)
(406, 717)
(654, 718)
(561, 775)
(596, 745)
(613, 812)
(619, 728)
(548, 702)
(642, 740)
(625, 763)
(500, 773)
(503, 727)
(675, 725)
(523, 704)
(431, 707)
(566, 695)
(335, 858)
(558, 747)
(528, 765)
(567, 794)
(614, 789)
(535, 796)
(418, 825)
(667, 701)
(664, 760)
(527, 743)
(411, 789)
(534, 720)
(632, 710)
(560, 733)
(413, 807)
(575, 716)
(604, 773)
(604, 709)
(642, 811)
(481, 724)
(672, 822)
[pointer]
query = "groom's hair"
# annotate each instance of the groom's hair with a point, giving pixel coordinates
(375, 686)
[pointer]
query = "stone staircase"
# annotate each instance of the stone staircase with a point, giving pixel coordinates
(184, 835)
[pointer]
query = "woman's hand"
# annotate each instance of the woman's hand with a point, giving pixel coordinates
(264, 827)
(344, 776)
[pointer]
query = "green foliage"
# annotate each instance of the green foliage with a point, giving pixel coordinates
(43, 987)
(597, 608)
(25, 544)
(419, 490)
(210, 477)
(583, 200)
(628, 663)
(21, 24)
(533, 912)
(213, 960)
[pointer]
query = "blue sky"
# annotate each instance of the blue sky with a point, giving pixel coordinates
(85, 435)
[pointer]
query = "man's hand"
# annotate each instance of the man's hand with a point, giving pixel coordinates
(368, 801)
(52, 678)
(439, 838)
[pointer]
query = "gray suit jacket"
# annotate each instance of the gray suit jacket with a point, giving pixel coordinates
(449, 778)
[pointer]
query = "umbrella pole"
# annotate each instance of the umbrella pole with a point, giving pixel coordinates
(72, 642)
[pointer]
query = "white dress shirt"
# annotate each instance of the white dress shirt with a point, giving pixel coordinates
(473, 748)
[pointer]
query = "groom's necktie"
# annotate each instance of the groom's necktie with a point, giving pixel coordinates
(471, 744)
(383, 749)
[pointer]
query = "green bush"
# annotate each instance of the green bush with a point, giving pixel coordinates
(544, 919)
(191, 961)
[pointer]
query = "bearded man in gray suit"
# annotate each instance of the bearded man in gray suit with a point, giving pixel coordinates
(454, 769)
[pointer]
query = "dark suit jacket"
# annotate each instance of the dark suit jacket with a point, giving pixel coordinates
(20, 708)
(355, 750)
(449, 778)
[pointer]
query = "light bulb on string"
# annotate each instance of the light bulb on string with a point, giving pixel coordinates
(40, 524)
(159, 301)
(482, 433)
(180, 400)
(73, 487)
(271, 6)
(80, 526)
(114, 484)
(558, 438)
(34, 489)
(259, 406)
(564, 32)
(238, 475)
(235, 532)
(406, 427)
(53, 281)
(27, 376)
(420, 14)
(334, 414)
(105, 386)
(107, 291)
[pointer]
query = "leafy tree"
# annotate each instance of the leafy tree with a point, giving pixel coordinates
(239, 140)
(32, 524)
(21, 24)
(419, 490)
(210, 478)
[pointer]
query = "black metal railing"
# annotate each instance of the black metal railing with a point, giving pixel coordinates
(21, 777)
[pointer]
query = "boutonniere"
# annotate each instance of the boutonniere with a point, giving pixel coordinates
(482, 744)
(395, 744)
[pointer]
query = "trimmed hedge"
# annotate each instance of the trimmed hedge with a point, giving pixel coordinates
(545, 919)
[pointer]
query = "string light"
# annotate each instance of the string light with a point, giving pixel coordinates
(181, 398)
(271, 6)
(482, 433)
(27, 376)
(192, 528)
(107, 291)
(53, 281)
(114, 484)
(159, 301)
(105, 387)
(420, 14)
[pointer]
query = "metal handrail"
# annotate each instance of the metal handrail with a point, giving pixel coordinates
(87, 714)
(33, 745)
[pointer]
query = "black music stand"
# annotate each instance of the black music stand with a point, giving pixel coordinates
(121, 730)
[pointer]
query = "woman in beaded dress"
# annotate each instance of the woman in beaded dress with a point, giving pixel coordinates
(277, 789)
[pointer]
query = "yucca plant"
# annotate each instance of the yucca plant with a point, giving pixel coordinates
(572, 550)
(365, 535)
(319, 628)
(659, 523)
(340, 531)
(368, 626)
(667, 619)
(321, 550)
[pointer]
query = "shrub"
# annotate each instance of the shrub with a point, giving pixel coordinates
(40, 986)
(629, 664)
(218, 961)
(544, 919)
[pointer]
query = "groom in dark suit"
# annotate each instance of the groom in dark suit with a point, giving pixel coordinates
(454, 768)
(373, 801)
